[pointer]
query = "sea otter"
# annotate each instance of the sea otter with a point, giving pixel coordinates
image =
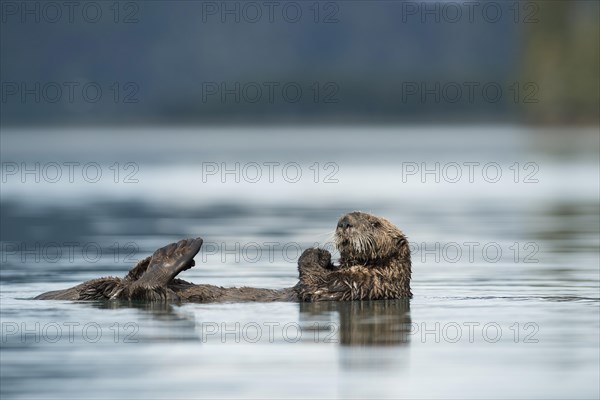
(374, 265)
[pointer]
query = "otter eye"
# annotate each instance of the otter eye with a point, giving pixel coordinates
(376, 224)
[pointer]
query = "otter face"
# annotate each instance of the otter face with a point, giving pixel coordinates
(365, 238)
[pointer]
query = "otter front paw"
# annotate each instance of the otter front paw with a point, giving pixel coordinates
(314, 258)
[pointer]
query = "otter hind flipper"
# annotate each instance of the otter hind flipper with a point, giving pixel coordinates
(167, 262)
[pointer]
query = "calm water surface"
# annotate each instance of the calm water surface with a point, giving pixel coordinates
(505, 274)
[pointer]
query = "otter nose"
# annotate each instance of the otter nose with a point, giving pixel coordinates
(344, 223)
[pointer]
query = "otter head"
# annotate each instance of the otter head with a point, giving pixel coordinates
(365, 239)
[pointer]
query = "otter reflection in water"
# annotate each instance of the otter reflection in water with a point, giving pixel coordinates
(346, 323)
(362, 323)
(374, 265)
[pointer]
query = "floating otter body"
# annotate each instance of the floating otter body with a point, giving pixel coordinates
(374, 264)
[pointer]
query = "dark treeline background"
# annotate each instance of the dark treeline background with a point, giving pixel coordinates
(355, 61)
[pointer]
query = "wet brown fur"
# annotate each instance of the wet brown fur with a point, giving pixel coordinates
(374, 264)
